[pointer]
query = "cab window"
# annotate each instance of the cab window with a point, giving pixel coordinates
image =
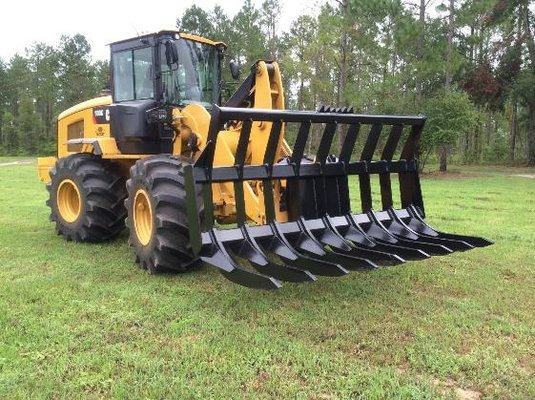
(132, 74)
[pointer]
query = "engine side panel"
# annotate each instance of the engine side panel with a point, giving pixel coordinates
(87, 120)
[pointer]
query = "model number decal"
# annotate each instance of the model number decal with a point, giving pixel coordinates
(101, 115)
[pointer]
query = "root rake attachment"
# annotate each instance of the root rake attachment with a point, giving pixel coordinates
(330, 240)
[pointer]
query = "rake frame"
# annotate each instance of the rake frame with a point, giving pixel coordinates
(333, 240)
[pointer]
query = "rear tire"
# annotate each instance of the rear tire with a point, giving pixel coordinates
(86, 198)
(157, 218)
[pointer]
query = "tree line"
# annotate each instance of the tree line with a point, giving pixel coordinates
(37, 86)
(469, 65)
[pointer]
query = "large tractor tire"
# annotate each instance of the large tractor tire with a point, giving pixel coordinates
(86, 198)
(157, 218)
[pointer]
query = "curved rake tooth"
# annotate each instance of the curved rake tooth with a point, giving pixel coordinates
(368, 248)
(301, 238)
(356, 247)
(408, 238)
(216, 255)
(249, 250)
(384, 241)
(273, 241)
(252, 279)
(381, 257)
(457, 245)
(350, 262)
(427, 229)
(329, 236)
(286, 272)
(370, 251)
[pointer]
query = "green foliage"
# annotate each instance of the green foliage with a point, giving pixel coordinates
(102, 75)
(36, 87)
(525, 86)
(496, 152)
(10, 135)
(271, 10)
(196, 21)
(450, 114)
(76, 73)
(29, 125)
(248, 41)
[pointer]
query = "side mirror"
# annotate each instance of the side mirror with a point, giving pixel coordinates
(234, 69)
(171, 53)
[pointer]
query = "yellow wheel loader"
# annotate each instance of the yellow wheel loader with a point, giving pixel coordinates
(197, 181)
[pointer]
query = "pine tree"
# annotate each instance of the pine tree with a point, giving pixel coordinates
(11, 140)
(29, 126)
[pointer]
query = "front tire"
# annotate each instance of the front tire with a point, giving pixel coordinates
(157, 218)
(86, 198)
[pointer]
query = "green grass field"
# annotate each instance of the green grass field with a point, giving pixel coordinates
(82, 321)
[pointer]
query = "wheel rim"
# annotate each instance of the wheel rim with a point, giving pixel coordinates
(69, 201)
(143, 223)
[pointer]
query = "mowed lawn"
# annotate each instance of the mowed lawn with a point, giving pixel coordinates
(82, 321)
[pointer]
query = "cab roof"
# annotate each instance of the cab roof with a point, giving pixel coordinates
(183, 35)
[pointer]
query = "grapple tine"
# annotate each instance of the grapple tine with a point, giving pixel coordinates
(251, 279)
(362, 243)
(457, 245)
(215, 254)
(249, 250)
(383, 239)
(328, 235)
(302, 238)
(405, 237)
(272, 240)
(416, 222)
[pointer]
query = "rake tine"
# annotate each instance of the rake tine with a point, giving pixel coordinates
(327, 234)
(215, 254)
(300, 237)
(392, 259)
(417, 223)
(281, 244)
(327, 243)
(384, 240)
(249, 250)
(406, 238)
(457, 245)
(406, 234)
(362, 243)
(272, 240)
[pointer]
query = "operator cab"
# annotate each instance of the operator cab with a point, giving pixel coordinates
(153, 73)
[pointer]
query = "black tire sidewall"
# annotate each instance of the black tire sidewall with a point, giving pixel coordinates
(169, 249)
(102, 190)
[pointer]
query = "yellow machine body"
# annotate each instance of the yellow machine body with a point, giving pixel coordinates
(80, 132)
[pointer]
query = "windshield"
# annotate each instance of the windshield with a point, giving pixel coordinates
(194, 79)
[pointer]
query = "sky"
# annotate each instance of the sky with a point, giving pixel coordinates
(23, 22)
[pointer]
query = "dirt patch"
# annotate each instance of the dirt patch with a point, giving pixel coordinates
(21, 162)
(467, 394)
(460, 393)
(529, 176)
(261, 378)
